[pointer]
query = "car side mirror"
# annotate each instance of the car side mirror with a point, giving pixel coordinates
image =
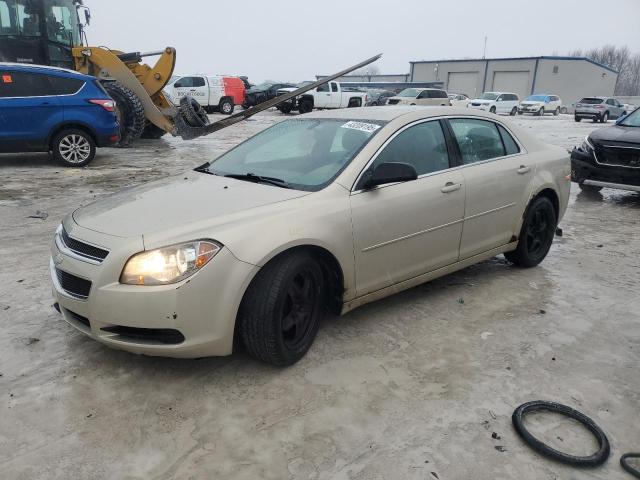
(390, 172)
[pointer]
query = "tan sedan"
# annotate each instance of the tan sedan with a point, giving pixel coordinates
(326, 211)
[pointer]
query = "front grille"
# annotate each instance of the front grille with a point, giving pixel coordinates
(393, 101)
(618, 157)
(83, 249)
(74, 286)
(475, 104)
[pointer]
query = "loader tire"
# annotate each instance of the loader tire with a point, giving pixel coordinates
(152, 132)
(129, 111)
(193, 113)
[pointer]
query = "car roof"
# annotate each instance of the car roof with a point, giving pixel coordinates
(391, 112)
(26, 67)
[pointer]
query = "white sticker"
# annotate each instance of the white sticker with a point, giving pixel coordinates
(363, 127)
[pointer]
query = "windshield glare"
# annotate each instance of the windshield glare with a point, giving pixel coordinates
(307, 154)
(489, 96)
(632, 120)
(409, 92)
(536, 98)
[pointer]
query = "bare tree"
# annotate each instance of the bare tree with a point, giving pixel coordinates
(620, 59)
(367, 71)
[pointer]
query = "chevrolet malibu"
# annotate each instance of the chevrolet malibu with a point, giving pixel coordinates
(323, 212)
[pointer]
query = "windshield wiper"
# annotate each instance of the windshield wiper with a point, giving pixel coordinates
(252, 177)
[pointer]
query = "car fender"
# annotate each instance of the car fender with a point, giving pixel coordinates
(71, 123)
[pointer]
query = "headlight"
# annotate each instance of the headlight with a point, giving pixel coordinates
(587, 146)
(169, 264)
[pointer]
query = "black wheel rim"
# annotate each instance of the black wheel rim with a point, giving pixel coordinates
(539, 232)
(299, 309)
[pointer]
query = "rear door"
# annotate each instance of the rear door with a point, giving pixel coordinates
(216, 89)
(498, 183)
(29, 110)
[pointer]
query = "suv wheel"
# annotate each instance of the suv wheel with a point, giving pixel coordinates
(536, 234)
(281, 311)
(492, 109)
(541, 112)
(226, 106)
(604, 118)
(73, 148)
(556, 112)
(577, 119)
(589, 188)
(514, 111)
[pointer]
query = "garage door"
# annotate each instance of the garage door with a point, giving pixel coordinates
(512, 82)
(463, 82)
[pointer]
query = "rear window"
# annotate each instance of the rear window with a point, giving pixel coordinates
(22, 84)
(65, 86)
(591, 101)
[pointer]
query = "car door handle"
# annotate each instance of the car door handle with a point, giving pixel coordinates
(524, 169)
(450, 187)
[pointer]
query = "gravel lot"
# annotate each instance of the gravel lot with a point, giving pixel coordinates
(411, 387)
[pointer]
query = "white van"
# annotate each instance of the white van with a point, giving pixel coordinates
(497, 102)
(214, 92)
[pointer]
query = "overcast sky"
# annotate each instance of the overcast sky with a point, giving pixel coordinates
(294, 40)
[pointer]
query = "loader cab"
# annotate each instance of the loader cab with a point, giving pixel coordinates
(40, 31)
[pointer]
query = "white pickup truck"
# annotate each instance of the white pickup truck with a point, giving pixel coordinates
(214, 92)
(329, 95)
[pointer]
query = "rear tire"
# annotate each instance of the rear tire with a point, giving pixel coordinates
(73, 148)
(514, 111)
(129, 111)
(285, 108)
(604, 118)
(536, 235)
(226, 106)
(152, 132)
(281, 310)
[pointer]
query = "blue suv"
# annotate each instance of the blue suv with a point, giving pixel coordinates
(48, 109)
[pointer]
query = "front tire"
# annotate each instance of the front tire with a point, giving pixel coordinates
(541, 112)
(536, 234)
(514, 111)
(281, 310)
(556, 112)
(492, 110)
(73, 148)
(226, 106)
(305, 106)
(577, 119)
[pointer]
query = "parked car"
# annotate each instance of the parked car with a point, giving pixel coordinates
(609, 157)
(47, 109)
(288, 106)
(540, 104)
(263, 92)
(599, 109)
(378, 97)
(497, 102)
(327, 96)
(420, 96)
(459, 100)
(258, 243)
(216, 93)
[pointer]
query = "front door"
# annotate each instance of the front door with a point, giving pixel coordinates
(192, 87)
(498, 184)
(403, 230)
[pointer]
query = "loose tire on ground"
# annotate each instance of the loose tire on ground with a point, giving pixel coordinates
(73, 147)
(281, 310)
(594, 460)
(152, 132)
(536, 235)
(129, 111)
(193, 113)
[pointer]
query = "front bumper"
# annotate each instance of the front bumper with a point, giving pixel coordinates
(584, 168)
(529, 109)
(588, 113)
(198, 314)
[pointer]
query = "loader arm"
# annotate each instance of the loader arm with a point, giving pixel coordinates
(188, 132)
(146, 82)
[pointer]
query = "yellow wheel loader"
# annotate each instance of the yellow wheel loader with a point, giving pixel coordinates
(52, 32)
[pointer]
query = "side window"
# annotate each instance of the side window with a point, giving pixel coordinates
(65, 86)
(423, 94)
(478, 139)
(198, 81)
(500, 98)
(21, 84)
(334, 87)
(422, 146)
(323, 88)
(184, 82)
(510, 145)
(610, 101)
(441, 94)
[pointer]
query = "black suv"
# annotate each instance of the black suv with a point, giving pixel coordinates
(609, 157)
(263, 92)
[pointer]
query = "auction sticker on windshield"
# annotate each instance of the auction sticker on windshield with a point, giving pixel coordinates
(364, 127)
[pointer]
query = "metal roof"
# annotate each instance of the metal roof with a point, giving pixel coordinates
(544, 57)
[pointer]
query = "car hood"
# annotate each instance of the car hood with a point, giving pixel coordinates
(178, 201)
(617, 134)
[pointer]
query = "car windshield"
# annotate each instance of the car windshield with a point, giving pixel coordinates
(536, 98)
(303, 154)
(489, 96)
(409, 92)
(591, 101)
(632, 120)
